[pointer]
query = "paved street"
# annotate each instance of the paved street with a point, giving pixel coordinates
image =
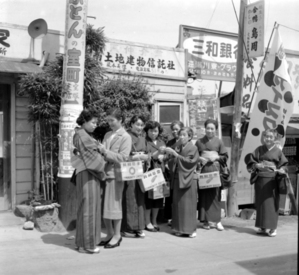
(237, 250)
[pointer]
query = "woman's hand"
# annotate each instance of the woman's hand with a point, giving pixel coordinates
(141, 156)
(102, 149)
(213, 159)
(259, 166)
(203, 161)
(170, 151)
(161, 158)
(281, 171)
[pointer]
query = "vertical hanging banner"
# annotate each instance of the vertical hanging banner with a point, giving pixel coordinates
(254, 29)
(273, 105)
(73, 80)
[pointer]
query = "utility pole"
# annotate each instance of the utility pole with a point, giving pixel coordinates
(71, 104)
(232, 204)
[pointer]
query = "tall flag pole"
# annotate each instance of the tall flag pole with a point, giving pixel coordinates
(274, 102)
(72, 98)
(232, 205)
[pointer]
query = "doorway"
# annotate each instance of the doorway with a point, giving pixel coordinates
(5, 150)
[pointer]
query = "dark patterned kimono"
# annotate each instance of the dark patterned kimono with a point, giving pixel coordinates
(168, 201)
(133, 197)
(152, 148)
(184, 184)
(209, 204)
(267, 184)
(89, 166)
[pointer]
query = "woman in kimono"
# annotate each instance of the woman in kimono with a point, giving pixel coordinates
(89, 165)
(155, 147)
(116, 148)
(213, 157)
(182, 168)
(175, 127)
(133, 198)
(268, 164)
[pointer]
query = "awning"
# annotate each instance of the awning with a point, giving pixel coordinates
(18, 67)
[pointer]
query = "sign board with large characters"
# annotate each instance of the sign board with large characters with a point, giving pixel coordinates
(144, 59)
(211, 54)
(254, 29)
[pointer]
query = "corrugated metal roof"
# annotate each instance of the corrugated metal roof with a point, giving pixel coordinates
(18, 67)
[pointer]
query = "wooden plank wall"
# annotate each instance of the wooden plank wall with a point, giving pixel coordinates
(23, 150)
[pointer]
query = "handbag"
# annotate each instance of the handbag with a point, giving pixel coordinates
(225, 176)
(209, 180)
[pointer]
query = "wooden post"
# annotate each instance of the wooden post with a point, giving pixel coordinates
(232, 204)
(71, 104)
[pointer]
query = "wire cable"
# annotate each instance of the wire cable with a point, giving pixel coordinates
(288, 28)
(208, 25)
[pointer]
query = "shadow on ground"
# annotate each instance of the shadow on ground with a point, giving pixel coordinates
(64, 240)
(284, 264)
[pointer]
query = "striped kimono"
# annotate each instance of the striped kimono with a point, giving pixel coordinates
(89, 165)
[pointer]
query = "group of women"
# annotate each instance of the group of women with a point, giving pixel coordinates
(125, 209)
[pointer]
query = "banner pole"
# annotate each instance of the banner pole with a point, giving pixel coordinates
(232, 204)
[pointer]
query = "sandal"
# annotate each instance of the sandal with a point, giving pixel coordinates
(89, 251)
(261, 231)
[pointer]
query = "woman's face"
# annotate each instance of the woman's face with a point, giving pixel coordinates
(175, 131)
(114, 123)
(137, 127)
(210, 130)
(90, 125)
(184, 137)
(153, 133)
(269, 139)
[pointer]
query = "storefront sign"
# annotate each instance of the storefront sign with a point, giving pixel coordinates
(254, 29)
(123, 56)
(211, 54)
(73, 81)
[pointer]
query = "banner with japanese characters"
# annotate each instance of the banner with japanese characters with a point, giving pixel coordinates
(72, 81)
(254, 29)
(143, 59)
(252, 75)
(274, 103)
(212, 55)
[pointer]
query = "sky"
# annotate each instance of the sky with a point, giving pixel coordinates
(156, 22)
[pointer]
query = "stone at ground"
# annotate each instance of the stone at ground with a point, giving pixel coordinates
(29, 225)
(47, 220)
(24, 210)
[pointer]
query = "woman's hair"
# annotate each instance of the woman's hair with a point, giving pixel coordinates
(117, 113)
(213, 121)
(273, 131)
(152, 125)
(176, 122)
(188, 130)
(85, 116)
(136, 118)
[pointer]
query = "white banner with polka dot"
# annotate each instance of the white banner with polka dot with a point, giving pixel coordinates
(274, 103)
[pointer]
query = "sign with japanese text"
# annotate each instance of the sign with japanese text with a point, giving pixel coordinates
(202, 104)
(136, 58)
(254, 29)
(211, 54)
(274, 103)
(72, 81)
